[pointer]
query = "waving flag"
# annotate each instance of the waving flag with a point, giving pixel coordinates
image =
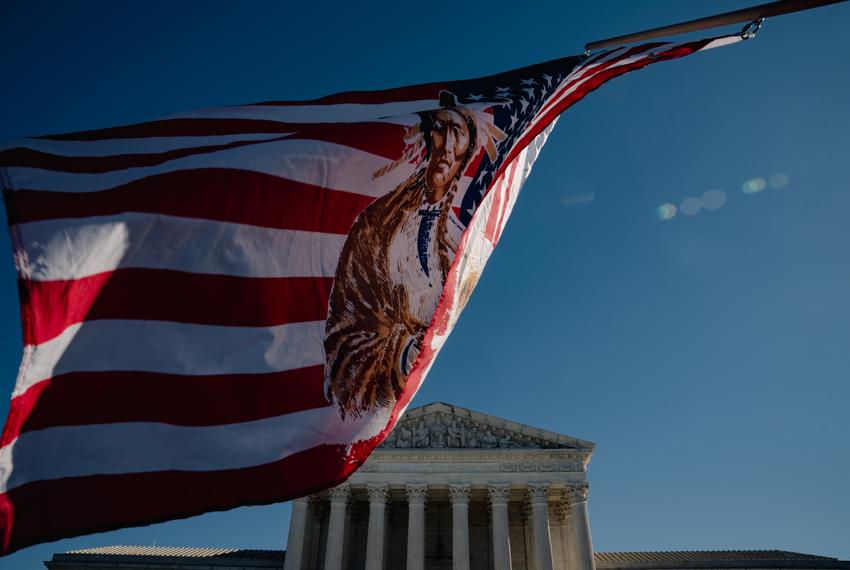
(234, 306)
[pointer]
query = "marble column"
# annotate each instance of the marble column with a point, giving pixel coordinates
(297, 532)
(527, 536)
(583, 552)
(378, 494)
(499, 495)
(417, 494)
(336, 526)
(459, 493)
(567, 532)
(541, 543)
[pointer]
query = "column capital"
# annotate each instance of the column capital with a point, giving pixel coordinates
(318, 505)
(378, 492)
(563, 510)
(538, 493)
(578, 492)
(340, 493)
(499, 493)
(416, 492)
(459, 492)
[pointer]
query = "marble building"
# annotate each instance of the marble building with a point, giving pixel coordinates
(453, 489)
(449, 489)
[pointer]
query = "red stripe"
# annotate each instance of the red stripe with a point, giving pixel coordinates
(84, 398)
(505, 201)
(202, 128)
(62, 508)
(382, 139)
(177, 128)
(177, 296)
(592, 84)
(496, 215)
(584, 71)
(223, 194)
(493, 214)
(475, 163)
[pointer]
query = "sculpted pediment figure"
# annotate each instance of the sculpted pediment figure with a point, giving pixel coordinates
(443, 426)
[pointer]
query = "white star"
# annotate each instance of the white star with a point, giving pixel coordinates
(548, 78)
(528, 82)
(502, 90)
(524, 104)
(530, 91)
(514, 119)
(476, 97)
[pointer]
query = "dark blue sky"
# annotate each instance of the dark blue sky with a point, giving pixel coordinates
(707, 355)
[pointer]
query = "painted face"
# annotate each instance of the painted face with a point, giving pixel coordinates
(450, 143)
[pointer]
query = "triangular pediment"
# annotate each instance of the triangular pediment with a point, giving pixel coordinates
(443, 426)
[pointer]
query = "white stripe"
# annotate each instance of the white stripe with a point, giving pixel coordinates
(341, 112)
(533, 151)
(573, 81)
(173, 348)
(588, 72)
(724, 41)
(112, 147)
(592, 64)
(525, 160)
(69, 249)
(138, 447)
(324, 164)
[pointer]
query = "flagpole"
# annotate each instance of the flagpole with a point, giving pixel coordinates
(745, 15)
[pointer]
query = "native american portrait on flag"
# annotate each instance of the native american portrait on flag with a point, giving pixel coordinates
(396, 259)
(234, 306)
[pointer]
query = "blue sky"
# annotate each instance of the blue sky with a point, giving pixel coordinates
(707, 355)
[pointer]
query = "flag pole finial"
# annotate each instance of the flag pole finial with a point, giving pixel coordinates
(749, 31)
(751, 15)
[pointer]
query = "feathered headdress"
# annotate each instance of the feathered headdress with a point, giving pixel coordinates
(487, 134)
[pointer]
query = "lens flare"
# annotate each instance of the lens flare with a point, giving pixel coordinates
(779, 180)
(713, 199)
(690, 206)
(572, 200)
(754, 185)
(666, 211)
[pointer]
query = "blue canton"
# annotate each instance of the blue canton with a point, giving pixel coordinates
(523, 92)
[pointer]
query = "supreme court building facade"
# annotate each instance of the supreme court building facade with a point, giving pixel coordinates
(451, 488)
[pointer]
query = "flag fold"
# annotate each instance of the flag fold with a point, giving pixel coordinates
(234, 306)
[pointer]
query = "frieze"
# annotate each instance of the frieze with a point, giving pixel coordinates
(541, 466)
(471, 461)
(430, 468)
(454, 455)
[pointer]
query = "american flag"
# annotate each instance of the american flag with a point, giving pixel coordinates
(176, 276)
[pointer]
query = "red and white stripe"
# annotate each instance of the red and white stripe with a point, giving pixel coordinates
(174, 281)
